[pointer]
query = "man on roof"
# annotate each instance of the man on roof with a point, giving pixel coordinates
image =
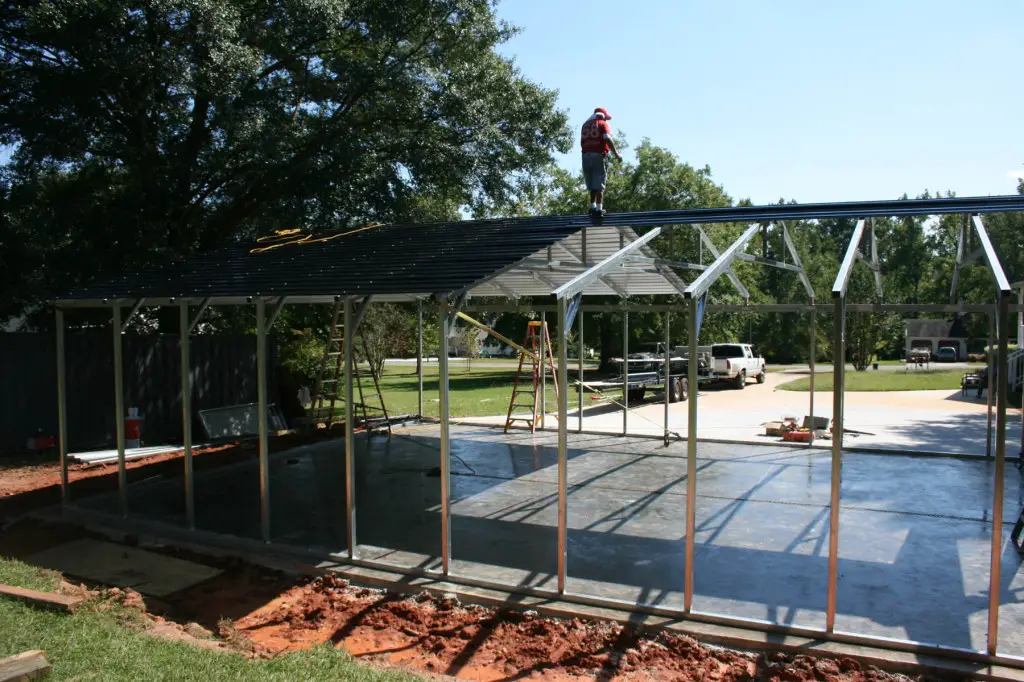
(596, 140)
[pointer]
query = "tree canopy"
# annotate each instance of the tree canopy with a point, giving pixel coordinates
(148, 129)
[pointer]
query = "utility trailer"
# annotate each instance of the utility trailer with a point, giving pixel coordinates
(646, 378)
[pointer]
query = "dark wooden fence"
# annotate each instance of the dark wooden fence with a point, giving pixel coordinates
(223, 373)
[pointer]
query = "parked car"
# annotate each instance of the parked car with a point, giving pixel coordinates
(736, 362)
(946, 354)
(497, 350)
(919, 355)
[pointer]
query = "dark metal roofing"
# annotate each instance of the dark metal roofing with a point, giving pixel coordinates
(423, 259)
(390, 259)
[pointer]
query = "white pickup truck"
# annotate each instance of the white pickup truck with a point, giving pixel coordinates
(735, 363)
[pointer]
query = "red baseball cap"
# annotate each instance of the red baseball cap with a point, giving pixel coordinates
(602, 110)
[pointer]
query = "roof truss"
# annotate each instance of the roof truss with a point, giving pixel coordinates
(985, 251)
(853, 254)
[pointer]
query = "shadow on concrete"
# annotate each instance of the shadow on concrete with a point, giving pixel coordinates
(958, 433)
(911, 528)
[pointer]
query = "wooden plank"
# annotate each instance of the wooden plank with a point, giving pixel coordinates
(28, 665)
(46, 600)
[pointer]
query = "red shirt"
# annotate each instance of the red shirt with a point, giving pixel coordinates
(593, 136)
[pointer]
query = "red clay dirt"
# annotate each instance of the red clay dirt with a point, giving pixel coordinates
(32, 481)
(477, 643)
(263, 613)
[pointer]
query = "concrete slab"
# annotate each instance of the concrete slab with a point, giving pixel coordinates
(151, 574)
(914, 531)
(904, 421)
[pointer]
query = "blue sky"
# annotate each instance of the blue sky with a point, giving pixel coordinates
(813, 101)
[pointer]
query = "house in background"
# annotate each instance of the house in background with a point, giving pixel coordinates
(935, 334)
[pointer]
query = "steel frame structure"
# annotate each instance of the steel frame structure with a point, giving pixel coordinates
(568, 305)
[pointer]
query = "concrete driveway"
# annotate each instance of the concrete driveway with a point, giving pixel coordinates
(919, 421)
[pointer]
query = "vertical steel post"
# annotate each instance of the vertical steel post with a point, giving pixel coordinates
(122, 474)
(261, 417)
(990, 358)
(691, 457)
(62, 414)
(625, 372)
(579, 416)
(668, 370)
(419, 359)
(997, 492)
(838, 386)
(186, 414)
(446, 539)
(1020, 318)
(814, 352)
(349, 340)
(543, 369)
(563, 442)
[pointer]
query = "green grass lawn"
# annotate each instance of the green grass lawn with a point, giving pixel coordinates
(474, 391)
(111, 645)
(910, 380)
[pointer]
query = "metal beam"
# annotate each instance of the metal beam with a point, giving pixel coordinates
(504, 289)
(625, 373)
(199, 313)
(135, 309)
(350, 418)
(706, 241)
(768, 261)
(842, 281)
(765, 308)
(261, 417)
(564, 325)
(186, 414)
(668, 373)
(577, 284)
(838, 388)
(682, 265)
(791, 247)
(876, 266)
(357, 318)
(961, 243)
(691, 457)
(444, 322)
(573, 308)
(991, 259)
(419, 359)
(722, 264)
(62, 412)
(861, 258)
(995, 586)
(122, 476)
(272, 318)
(670, 277)
(579, 391)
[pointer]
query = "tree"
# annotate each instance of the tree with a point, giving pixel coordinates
(470, 344)
(145, 130)
(387, 330)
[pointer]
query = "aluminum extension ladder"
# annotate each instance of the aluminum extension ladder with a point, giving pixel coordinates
(329, 389)
(536, 337)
